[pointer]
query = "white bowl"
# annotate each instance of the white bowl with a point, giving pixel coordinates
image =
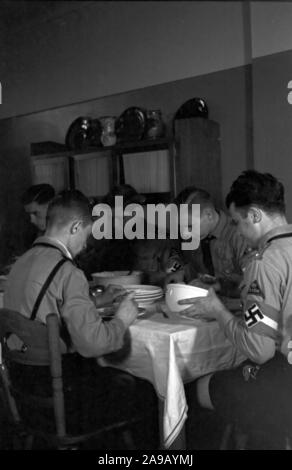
(176, 292)
(118, 278)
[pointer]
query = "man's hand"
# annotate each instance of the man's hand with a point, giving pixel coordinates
(110, 294)
(127, 310)
(206, 308)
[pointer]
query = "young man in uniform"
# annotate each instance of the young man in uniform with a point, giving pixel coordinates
(69, 223)
(222, 252)
(257, 394)
(36, 200)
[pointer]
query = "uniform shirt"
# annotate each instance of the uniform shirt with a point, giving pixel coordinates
(267, 299)
(229, 252)
(67, 295)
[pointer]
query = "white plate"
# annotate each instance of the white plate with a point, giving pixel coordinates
(148, 296)
(141, 288)
(146, 304)
(147, 299)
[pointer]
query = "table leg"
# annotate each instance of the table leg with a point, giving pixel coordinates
(180, 442)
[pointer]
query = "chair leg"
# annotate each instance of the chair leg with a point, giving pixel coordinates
(28, 442)
(227, 434)
(240, 439)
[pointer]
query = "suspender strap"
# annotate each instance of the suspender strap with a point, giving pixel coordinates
(45, 287)
(284, 235)
(49, 245)
(45, 244)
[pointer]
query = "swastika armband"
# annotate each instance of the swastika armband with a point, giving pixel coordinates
(252, 315)
(263, 324)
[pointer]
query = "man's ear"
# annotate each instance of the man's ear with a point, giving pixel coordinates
(255, 214)
(75, 226)
(207, 212)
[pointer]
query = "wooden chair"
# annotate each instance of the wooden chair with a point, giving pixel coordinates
(40, 345)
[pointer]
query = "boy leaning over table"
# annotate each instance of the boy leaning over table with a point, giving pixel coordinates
(256, 395)
(109, 394)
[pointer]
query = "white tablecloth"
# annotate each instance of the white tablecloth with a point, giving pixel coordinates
(170, 353)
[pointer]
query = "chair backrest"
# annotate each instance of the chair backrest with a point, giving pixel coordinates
(32, 343)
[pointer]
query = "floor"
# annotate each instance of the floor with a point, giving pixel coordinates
(144, 439)
(208, 438)
(203, 432)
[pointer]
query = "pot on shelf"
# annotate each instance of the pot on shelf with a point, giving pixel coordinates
(155, 124)
(108, 135)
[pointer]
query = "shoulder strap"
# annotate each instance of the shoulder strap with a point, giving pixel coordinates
(284, 235)
(45, 287)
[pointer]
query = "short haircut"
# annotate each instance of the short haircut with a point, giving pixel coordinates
(260, 189)
(68, 206)
(129, 193)
(40, 193)
(194, 195)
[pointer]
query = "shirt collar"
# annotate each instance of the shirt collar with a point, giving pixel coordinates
(57, 243)
(281, 230)
(220, 225)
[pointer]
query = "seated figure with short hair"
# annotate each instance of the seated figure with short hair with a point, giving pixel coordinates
(222, 253)
(69, 224)
(257, 394)
(36, 200)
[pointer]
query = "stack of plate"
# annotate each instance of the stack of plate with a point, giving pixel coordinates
(144, 294)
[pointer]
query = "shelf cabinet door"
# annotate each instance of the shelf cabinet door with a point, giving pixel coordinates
(92, 173)
(149, 171)
(51, 170)
(198, 159)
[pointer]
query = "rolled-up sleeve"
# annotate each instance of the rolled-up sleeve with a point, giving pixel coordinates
(257, 333)
(90, 335)
(257, 348)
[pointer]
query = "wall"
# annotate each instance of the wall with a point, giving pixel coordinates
(152, 54)
(271, 72)
(104, 48)
(107, 56)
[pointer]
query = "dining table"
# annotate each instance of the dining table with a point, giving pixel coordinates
(169, 351)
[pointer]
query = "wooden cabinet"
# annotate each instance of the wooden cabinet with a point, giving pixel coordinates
(92, 173)
(51, 169)
(146, 165)
(158, 168)
(198, 159)
(149, 166)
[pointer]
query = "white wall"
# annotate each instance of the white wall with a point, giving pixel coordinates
(112, 47)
